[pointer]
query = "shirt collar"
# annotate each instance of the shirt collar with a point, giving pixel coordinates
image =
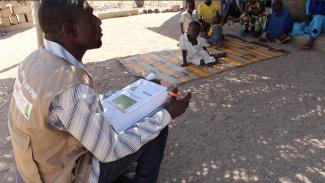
(58, 50)
(193, 12)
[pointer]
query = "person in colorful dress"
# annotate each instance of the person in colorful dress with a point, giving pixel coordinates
(253, 19)
(279, 24)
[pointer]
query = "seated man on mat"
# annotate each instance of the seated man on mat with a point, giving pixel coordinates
(315, 10)
(56, 123)
(194, 47)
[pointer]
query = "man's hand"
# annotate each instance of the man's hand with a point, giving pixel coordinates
(177, 107)
(157, 81)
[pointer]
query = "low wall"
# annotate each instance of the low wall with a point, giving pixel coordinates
(297, 8)
(15, 16)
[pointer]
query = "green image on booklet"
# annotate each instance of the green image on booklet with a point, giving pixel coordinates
(124, 102)
(133, 103)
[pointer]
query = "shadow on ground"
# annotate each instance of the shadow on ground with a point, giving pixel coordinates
(12, 33)
(260, 123)
(170, 28)
(252, 131)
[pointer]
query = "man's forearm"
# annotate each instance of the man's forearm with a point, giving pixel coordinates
(84, 120)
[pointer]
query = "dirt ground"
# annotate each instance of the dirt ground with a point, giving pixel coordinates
(260, 123)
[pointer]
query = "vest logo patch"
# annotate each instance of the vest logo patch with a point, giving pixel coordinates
(23, 105)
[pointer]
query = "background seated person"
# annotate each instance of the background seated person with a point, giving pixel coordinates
(279, 24)
(253, 19)
(315, 10)
(207, 10)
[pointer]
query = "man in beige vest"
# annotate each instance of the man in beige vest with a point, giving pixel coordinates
(55, 118)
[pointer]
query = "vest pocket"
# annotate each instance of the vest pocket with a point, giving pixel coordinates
(23, 154)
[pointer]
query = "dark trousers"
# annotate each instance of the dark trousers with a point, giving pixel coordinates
(148, 157)
(232, 10)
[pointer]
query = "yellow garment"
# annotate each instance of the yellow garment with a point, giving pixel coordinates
(210, 32)
(208, 12)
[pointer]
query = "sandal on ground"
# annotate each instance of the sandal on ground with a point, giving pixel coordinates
(286, 40)
(306, 47)
(283, 39)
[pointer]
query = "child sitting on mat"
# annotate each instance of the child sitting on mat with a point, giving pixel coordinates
(194, 47)
(215, 32)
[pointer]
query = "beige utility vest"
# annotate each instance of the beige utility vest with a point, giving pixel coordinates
(42, 153)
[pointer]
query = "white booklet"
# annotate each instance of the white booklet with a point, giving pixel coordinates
(133, 103)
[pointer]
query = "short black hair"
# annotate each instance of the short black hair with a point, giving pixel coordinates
(192, 2)
(195, 24)
(53, 13)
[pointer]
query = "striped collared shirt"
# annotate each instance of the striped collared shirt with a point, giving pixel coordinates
(89, 126)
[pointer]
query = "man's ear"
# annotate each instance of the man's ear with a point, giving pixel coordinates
(69, 29)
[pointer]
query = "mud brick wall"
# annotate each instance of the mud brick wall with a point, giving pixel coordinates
(15, 15)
